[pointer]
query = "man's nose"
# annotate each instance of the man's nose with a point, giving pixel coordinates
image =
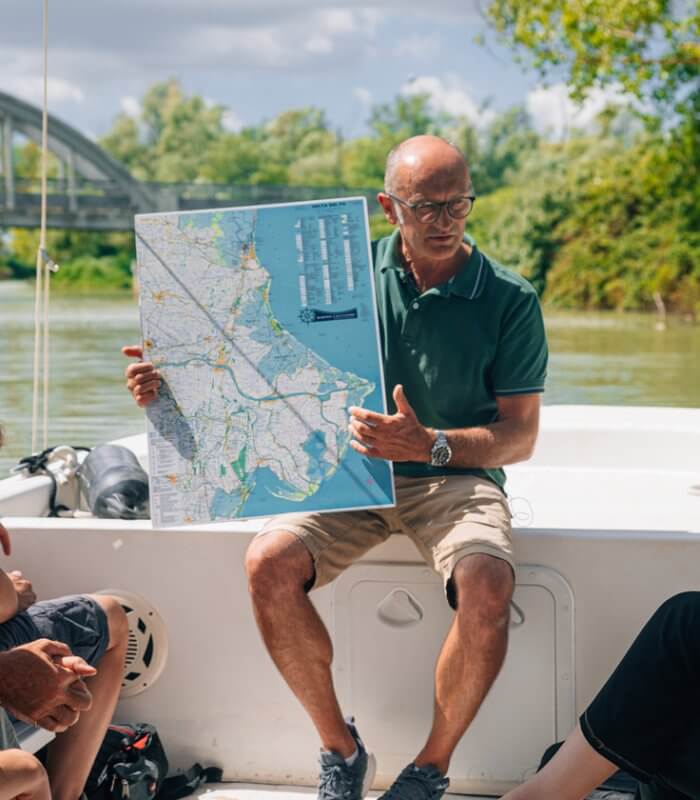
(443, 218)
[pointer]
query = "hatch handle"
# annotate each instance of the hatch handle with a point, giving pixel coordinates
(517, 615)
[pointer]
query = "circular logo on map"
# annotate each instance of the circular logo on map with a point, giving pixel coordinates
(307, 315)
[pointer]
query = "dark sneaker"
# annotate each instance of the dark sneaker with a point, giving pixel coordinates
(338, 781)
(417, 783)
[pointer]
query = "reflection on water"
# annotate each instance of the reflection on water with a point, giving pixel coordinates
(595, 358)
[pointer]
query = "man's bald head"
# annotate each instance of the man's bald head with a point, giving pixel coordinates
(416, 158)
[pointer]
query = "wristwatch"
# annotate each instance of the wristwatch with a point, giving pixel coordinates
(440, 452)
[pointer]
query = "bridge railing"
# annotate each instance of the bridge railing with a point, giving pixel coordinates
(203, 195)
(108, 205)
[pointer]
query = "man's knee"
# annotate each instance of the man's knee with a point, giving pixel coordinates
(483, 587)
(117, 621)
(278, 561)
(26, 769)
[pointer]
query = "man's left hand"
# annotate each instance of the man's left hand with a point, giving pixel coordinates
(25, 592)
(395, 437)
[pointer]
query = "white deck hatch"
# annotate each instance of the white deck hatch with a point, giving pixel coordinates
(389, 621)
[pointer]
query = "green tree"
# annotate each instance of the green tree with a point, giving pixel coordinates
(96, 260)
(363, 162)
(124, 142)
(594, 224)
(651, 48)
(405, 116)
(171, 136)
(233, 158)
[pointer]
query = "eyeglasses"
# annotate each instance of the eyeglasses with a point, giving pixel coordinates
(429, 211)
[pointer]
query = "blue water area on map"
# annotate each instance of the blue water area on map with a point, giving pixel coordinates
(261, 500)
(358, 482)
(225, 504)
(314, 447)
(349, 344)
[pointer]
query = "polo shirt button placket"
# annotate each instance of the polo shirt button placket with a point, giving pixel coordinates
(416, 306)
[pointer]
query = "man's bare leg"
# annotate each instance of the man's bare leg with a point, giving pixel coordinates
(471, 655)
(72, 753)
(278, 567)
(22, 777)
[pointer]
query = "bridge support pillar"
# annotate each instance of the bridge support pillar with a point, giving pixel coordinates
(72, 191)
(7, 165)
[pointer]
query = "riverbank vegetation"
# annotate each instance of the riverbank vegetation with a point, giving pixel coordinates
(604, 218)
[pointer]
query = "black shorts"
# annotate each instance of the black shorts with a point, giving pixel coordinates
(76, 620)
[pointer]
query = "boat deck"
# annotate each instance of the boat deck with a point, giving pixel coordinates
(250, 791)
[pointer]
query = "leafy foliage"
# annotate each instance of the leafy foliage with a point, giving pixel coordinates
(596, 225)
(610, 220)
(651, 49)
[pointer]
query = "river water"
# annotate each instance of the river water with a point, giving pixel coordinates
(600, 358)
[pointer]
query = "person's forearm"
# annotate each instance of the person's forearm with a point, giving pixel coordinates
(8, 598)
(504, 442)
(572, 773)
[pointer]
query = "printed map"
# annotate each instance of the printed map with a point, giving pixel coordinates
(262, 322)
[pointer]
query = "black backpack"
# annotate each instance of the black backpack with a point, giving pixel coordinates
(131, 763)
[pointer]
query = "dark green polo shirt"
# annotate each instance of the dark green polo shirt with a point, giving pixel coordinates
(458, 346)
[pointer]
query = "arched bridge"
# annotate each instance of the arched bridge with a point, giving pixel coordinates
(95, 192)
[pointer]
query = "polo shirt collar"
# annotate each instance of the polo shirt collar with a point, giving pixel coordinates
(468, 282)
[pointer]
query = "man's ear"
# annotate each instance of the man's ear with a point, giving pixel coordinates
(387, 205)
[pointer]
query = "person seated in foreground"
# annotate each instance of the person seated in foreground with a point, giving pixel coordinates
(645, 720)
(41, 683)
(48, 677)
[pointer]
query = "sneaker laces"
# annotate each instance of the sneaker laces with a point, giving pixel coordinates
(335, 780)
(418, 783)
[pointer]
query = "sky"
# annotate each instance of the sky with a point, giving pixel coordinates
(260, 57)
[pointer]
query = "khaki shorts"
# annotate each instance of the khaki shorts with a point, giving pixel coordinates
(447, 517)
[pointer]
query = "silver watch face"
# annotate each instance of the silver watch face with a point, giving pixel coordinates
(441, 452)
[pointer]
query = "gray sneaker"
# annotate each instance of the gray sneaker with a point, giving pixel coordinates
(417, 783)
(338, 781)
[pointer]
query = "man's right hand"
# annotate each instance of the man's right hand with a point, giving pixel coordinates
(42, 683)
(142, 378)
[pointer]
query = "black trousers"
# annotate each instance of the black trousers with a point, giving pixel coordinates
(646, 719)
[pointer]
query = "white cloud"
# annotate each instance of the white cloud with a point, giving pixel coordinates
(338, 20)
(310, 51)
(231, 121)
(31, 89)
(554, 113)
(319, 45)
(363, 95)
(130, 106)
(419, 47)
(450, 95)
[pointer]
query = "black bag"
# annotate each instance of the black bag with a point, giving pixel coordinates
(131, 763)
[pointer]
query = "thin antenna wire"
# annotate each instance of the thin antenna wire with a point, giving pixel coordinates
(42, 268)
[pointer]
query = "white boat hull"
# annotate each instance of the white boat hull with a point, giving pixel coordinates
(607, 527)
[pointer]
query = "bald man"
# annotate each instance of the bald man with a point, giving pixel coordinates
(464, 357)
